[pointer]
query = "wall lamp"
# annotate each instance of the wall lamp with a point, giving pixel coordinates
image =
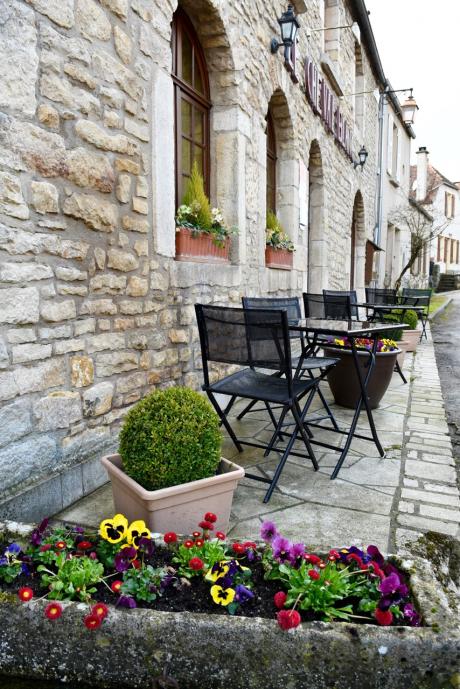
(289, 25)
(362, 157)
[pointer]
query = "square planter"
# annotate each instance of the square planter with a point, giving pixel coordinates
(177, 508)
(199, 247)
(278, 258)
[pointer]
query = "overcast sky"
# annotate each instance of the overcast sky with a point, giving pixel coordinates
(418, 43)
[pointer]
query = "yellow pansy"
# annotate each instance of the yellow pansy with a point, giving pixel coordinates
(218, 571)
(222, 596)
(137, 530)
(114, 529)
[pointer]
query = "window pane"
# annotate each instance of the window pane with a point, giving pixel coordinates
(198, 156)
(198, 133)
(186, 115)
(198, 80)
(186, 156)
(187, 57)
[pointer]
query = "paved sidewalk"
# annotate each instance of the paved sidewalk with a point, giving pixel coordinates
(386, 501)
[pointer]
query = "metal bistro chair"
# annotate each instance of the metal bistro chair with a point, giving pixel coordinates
(341, 304)
(308, 362)
(377, 295)
(255, 339)
(418, 297)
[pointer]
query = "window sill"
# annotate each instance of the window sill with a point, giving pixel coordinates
(191, 273)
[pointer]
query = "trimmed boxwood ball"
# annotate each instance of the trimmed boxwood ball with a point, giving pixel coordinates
(170, 437)
(410, 318)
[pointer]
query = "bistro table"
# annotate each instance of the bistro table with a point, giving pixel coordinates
(315, 332)
(382, 309)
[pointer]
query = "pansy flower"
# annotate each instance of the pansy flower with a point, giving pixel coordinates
(268, 531)
(124, 558)
(243, 594)
(222, 596)
(281, 549)
(217, 571)
(114, 530)
(136, 531)
(127, 602)
(145, 546)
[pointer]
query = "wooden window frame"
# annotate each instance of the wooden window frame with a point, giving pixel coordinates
(183, 90)
(271, 160)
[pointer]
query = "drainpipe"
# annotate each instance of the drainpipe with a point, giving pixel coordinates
(380, 175)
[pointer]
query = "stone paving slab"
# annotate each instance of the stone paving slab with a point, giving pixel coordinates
(387, 501)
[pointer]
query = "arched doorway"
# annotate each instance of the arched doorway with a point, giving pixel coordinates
(317, 239)
(357, 244)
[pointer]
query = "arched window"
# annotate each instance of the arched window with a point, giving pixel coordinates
(192, 104)
(271, 165)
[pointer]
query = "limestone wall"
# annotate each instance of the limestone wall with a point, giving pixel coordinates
(94, 310)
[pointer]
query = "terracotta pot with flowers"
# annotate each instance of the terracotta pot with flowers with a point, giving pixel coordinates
(170, 468)
(343, 379)
(279, 250)
(201, 233)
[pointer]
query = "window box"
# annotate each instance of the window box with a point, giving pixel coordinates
(278, 258)
(200, 247)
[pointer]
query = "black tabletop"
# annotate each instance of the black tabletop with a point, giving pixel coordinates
(391, 307)
(344, 328)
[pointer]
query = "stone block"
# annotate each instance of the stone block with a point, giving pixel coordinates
(127, 165)
(8, 386)
(112, 119)
(4, 358)
(15, 421)
(92, 21)
(121, 260)
(134, 224)
(98, 399)
(99, 307)
(111, 69)
(88, 325)
(142, 187)
(141, 247)
(88, 169)
(179, 336)
(78, 73)
(26, 146)
(18, 58)
(123, 45)
(61, 90)
(58, 410)
(140, 205)
(70, 274)
(440, 513)
(19, 305)
(112, 341)
(93, 134)
(81, 371)
(45, 198)
(116, 362)
(137, 287)
(130, 307)
(11, 199)
(48, 115)
(140, 131)
(135, 381)
(96, 213)
(118, 7)
(123, 189)
(21, 335)
(59, 11)
(23, 353)
(99, 257)
(30, 458)
(428, 470)
(49, 374)
(107, 284)
(55, 333)
(24, 272)
(58, 311)
(66, 346)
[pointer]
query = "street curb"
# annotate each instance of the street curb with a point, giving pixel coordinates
(440, 309)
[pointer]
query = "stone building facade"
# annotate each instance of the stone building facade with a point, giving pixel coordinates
(94, 309)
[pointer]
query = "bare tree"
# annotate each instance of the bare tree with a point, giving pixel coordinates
(423, 228)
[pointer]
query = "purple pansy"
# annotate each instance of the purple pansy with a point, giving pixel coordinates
(37, 534)
(127, 602)
(412, 615)
(375, 555)
(268, 531)
(242, 594)
(297, 552)
(281, 549)
(124, 558)
(146, 546)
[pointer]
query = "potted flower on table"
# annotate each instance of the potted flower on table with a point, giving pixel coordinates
(279, 248)
(201, 233)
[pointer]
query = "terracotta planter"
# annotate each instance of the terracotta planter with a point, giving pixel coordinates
(178, 508)
(403, 345)
(343, 379)
(199, 248)
(278, 258)
(413, 337)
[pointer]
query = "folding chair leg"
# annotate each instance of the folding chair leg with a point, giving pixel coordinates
(224, 421)
(281, 463)
(246, 409)
(328, 409)
(299, 416)
(398, 370)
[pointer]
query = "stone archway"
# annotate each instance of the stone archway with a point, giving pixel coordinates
(317, 237)
(357, 244)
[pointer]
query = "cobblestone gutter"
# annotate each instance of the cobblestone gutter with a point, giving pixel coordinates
(217, 652)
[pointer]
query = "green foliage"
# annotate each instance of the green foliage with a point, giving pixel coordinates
(74, 578)
(275, 235)
(397, 316)
(411, 318)
(196, 195)
(170, 437)
(397, 333)
(210, 552)
(144, 584)
(106, 553)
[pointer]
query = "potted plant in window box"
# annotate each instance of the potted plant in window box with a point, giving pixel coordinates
(278, 246)
(201, 233)
(169, 469)
(343, 379)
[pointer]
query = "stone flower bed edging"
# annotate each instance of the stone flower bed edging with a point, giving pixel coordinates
(216, 652)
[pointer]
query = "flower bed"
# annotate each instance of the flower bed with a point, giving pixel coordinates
(125, 566)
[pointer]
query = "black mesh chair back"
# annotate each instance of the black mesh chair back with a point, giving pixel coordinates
(289, 304)
(340, 305)
(313, 305)
(376, 295)
(416, 297)
(258, 338)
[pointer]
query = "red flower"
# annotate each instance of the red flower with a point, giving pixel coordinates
(373, 568)
(210, 517)
(206, 526)
(25, 593)
(322, 565)
(196, 563)
(84, 545)
(383, 617)
(196, 534)
(314, 559)
(220, 535)
(199, 542)
(44, 548)
(238, 548)
(92, 621)
(53, 611)
(313, 574)
(356, 558)
(288, 619)
(279, 599)
(249, 544)
(333, 555)
(100, 610)
(170, 537)
(60, 545)
(136, 564)
(188, 543)
(116, 586)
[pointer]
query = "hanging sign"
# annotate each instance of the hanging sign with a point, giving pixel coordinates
(324, 104)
